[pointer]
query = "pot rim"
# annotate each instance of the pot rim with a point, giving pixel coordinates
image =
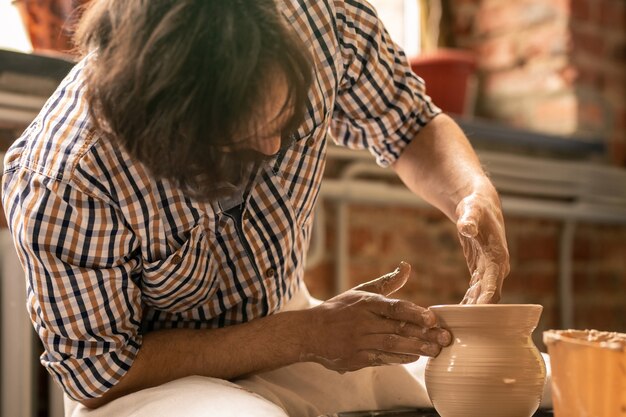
(482, 306)
(505, 317)
(587, 338)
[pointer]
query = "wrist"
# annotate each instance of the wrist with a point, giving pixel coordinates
(485, 188)
(480, 192)
(298, 335)
(310, 334)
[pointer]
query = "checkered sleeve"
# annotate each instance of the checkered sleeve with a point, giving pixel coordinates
(76, 253)
(381, 104)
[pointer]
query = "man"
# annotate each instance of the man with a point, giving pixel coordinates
(161, 206)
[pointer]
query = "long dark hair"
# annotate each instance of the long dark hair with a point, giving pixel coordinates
(174, 81)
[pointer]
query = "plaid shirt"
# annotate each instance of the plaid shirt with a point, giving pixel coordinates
(111, 253)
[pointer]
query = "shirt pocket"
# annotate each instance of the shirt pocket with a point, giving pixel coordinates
(183, 280)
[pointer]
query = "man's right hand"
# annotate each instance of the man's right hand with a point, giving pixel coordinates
(359, 328)
(363, 327)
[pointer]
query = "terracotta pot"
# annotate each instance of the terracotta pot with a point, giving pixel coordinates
(492, 368)
(50, 23)
(450, 76)
(588, 372)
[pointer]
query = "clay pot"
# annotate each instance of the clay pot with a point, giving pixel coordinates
(450, 76)
(588, 372)
(50, 23)
(492, 368)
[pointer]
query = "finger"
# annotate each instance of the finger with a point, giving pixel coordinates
(392, 343)
(401, 328)
(469, 251)
(474, 278)
(489, 288)
(471, 296)
(477, 274)
(378, 358)
(401, 310)
(473, 291)
(481, 266)
(389, 283)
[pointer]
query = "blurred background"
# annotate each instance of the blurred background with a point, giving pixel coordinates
(539, 87)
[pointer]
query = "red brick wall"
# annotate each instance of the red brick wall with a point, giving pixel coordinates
(556, 66)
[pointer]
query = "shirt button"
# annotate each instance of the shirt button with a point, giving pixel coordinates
(270, 272)
(176, 259)
(246, 216)
(310, 142)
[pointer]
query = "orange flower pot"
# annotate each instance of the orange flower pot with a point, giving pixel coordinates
(450, 79)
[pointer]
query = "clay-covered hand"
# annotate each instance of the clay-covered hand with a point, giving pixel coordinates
(363, 327)
(481, 230)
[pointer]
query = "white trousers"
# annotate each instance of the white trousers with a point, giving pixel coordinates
(299, 390)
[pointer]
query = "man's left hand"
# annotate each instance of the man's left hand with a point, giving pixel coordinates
(481, 230)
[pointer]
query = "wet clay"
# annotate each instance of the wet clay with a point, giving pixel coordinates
(608, 340)
(492, 368)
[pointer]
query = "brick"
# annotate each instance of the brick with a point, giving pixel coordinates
(367, 270)
(583, 281)
(562, 7)
(505, 110)
(616, 51)
(620, 119)
(543, 76)
(615, 246)
(617, 151)
(586, 11)
(588, 40)
(363, 241)
(419, 281)
(588, 76)
(569, 75)
(464, 14)
(321, 280)
(461, 3)
(613, 14)
(516, 282)
(505, 17)
(414, 244)
(536, 244)
(497, 53)
(593, 113)
(599, 317)
(556, 114)
(545, 40)
(582, 249)
(610, 281)
(581, 9)
(496, 18)
(538, 11)
(614, 89)
(543, 282)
